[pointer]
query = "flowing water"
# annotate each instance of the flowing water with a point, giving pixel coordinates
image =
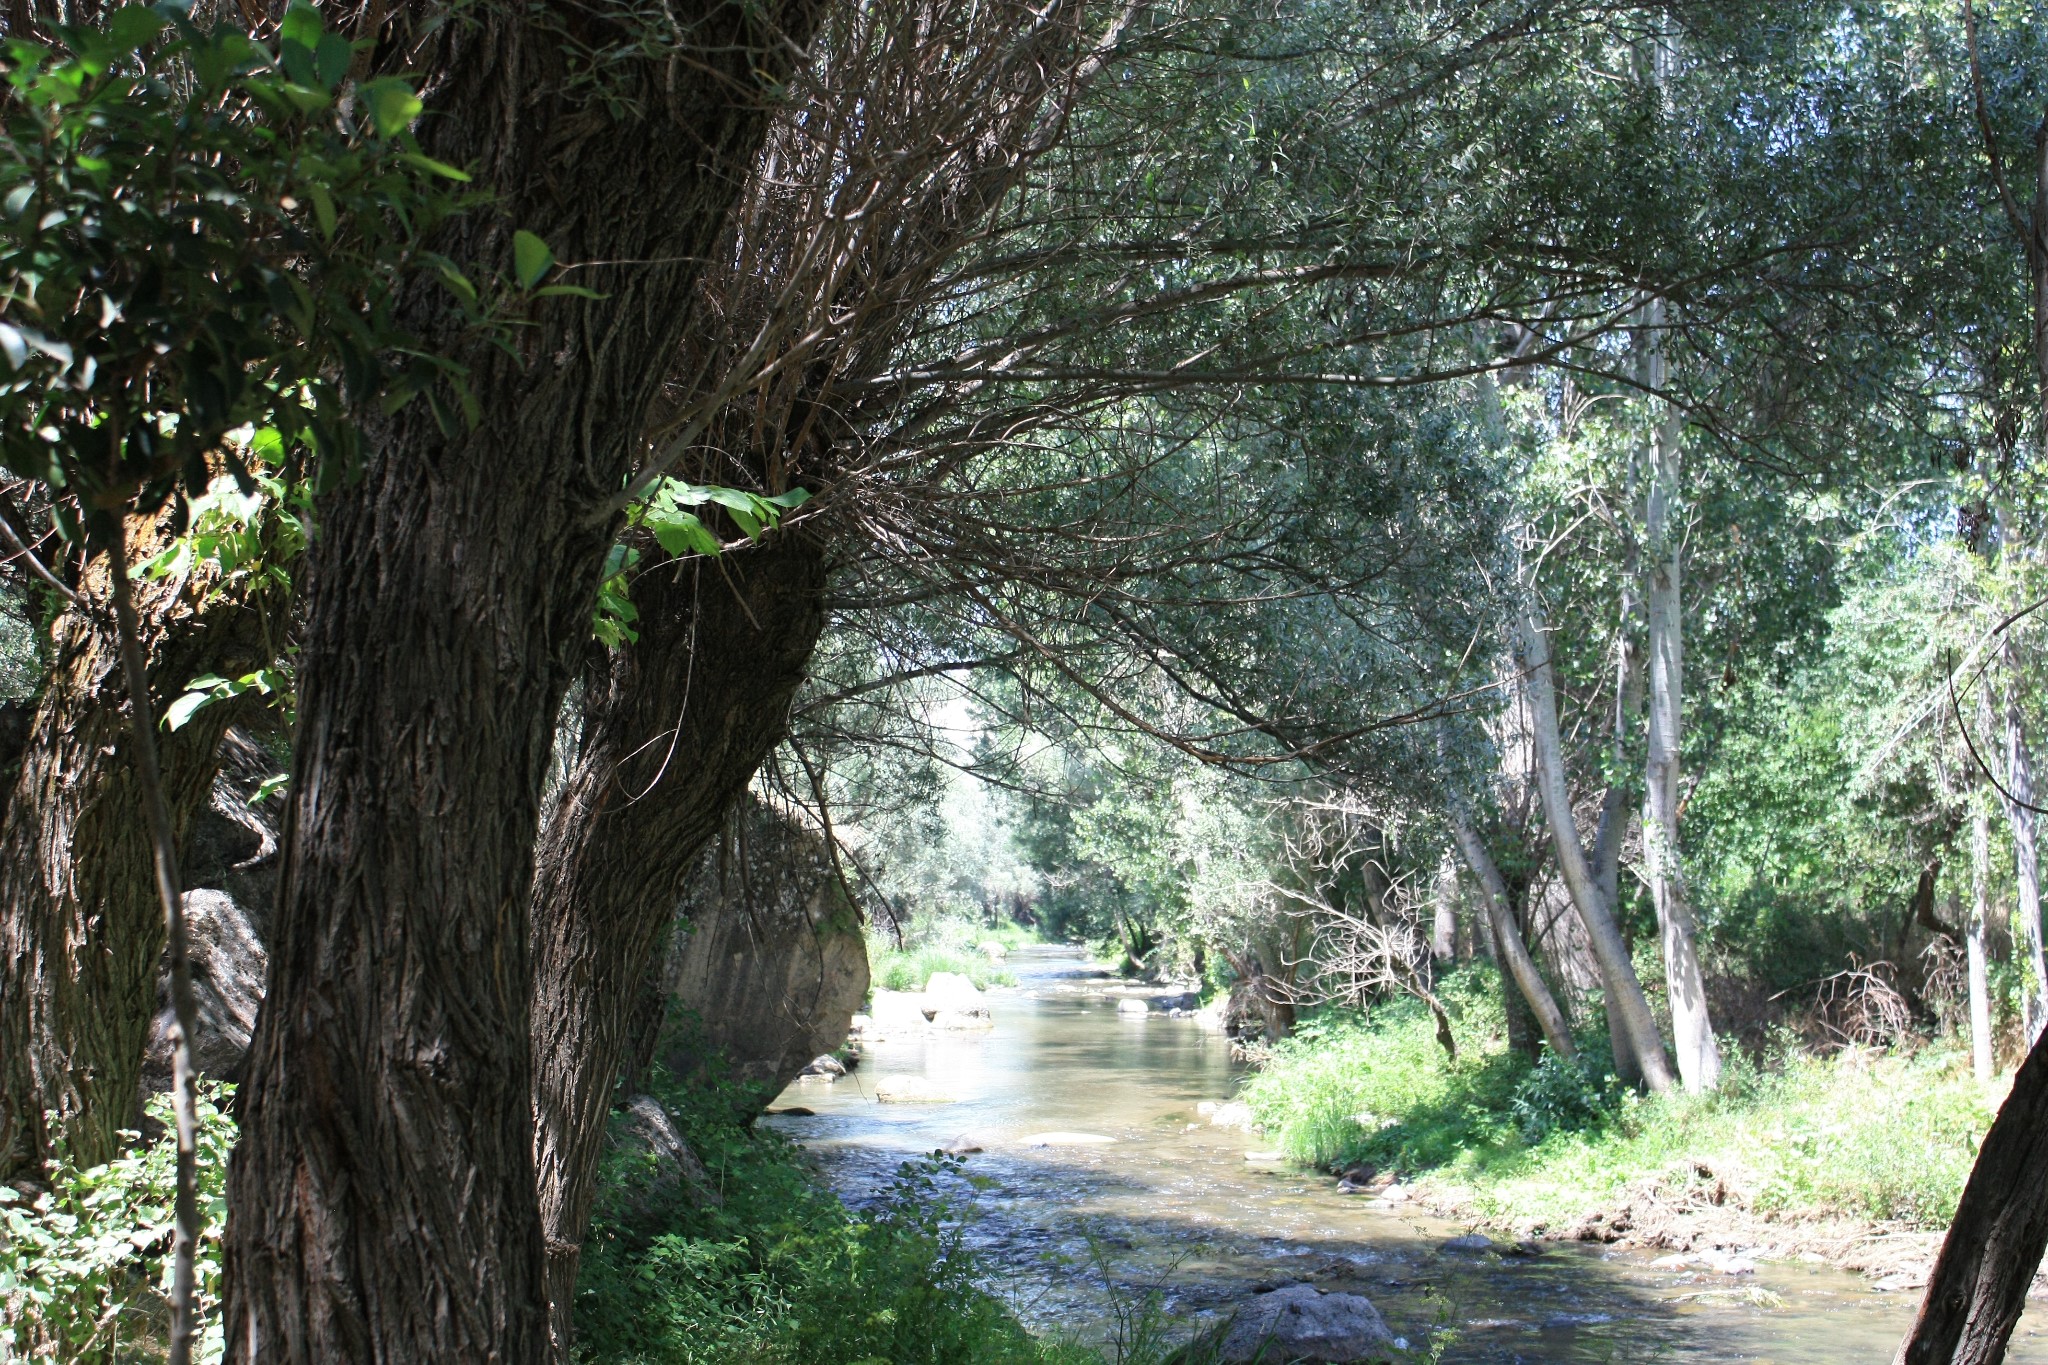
(1071, 1229)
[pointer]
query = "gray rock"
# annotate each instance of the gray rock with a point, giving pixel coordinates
(767, 968)
(1470, 1243)
(228, 962)
(1301, 1323)
(825, 1065)
(644, 1126)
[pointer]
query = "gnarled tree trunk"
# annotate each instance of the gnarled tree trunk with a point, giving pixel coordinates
(674, 726)
(383, 1202)
(82, 933)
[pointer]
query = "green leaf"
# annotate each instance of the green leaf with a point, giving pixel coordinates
(133, 25)
(531, 258)
(331, 59)
(433, 167)
(323, 209)
(301, 25)
(793, 499)
(184, 708)
(574, 291)
(392, 105)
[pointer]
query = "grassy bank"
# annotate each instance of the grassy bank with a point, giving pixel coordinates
(944, 945)
(1845, 1143)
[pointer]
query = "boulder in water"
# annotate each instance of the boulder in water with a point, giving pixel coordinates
(1133, 1008)
(825, 1067)
(1302, 1323)
(951, 991)
(897, 1011)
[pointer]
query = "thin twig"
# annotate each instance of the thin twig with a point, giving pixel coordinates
(184, 1009)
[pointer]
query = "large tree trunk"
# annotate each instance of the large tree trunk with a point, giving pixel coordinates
(1692, 1030)
(673, 727)
(1626, 1004)
(1516, 962)
(383, 1203)
(82, 934)
(1994, 1246)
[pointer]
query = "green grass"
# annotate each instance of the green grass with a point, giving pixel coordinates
(944, 945)
(1882, 1138)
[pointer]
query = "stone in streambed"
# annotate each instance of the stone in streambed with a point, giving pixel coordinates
(1302, 1323)
(912, 1090)
(964, 1145)
(1133, 1008)
(1469, 1244)
(824, 1067)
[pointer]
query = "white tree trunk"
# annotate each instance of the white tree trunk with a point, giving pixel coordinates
(1443, 934)
(2019, 783)
(1515, 958)
(1980, 983)
(1699, 1055)
(1625, 1000)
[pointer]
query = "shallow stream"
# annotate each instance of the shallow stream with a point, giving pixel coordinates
(1172, 1206)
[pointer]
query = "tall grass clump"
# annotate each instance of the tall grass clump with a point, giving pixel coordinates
(760, 1266)
(945, 944)
(1860, 1135)
(1378, 1087)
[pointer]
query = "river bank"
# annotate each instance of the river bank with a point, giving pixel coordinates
(1853, 1160)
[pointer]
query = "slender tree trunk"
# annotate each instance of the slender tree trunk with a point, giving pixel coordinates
(163, 839)
(2019, 783)
(1443, 930)
(1692, 1030)
(1982, 1060)
(82, 935)
(674, 725)
(383, 1200)
(1988, 1260)
(1625, 1000)
(1518, 965)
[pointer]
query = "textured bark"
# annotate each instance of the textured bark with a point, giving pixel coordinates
(383, 1197)
(1518, 965)
(673, 727)
(1988, 1260)
(82, 934)
(1625, 1000)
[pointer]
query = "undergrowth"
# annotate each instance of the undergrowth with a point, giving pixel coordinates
(1880, 1137)
(776, 1271)
(85, 1264)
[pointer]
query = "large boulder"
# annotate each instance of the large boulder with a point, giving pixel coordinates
(952, 1001)
(227, 963)
(1302, 1323)
(769, 962)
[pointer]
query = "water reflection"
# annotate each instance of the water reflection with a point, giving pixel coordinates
(1172, 1204)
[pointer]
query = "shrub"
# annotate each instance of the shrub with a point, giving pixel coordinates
(85, 1268)
(781, 1271)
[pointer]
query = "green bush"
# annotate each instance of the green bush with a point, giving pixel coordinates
(85, 1268)
(780, 1272)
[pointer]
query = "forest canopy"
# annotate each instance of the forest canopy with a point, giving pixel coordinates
(1346, 508)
